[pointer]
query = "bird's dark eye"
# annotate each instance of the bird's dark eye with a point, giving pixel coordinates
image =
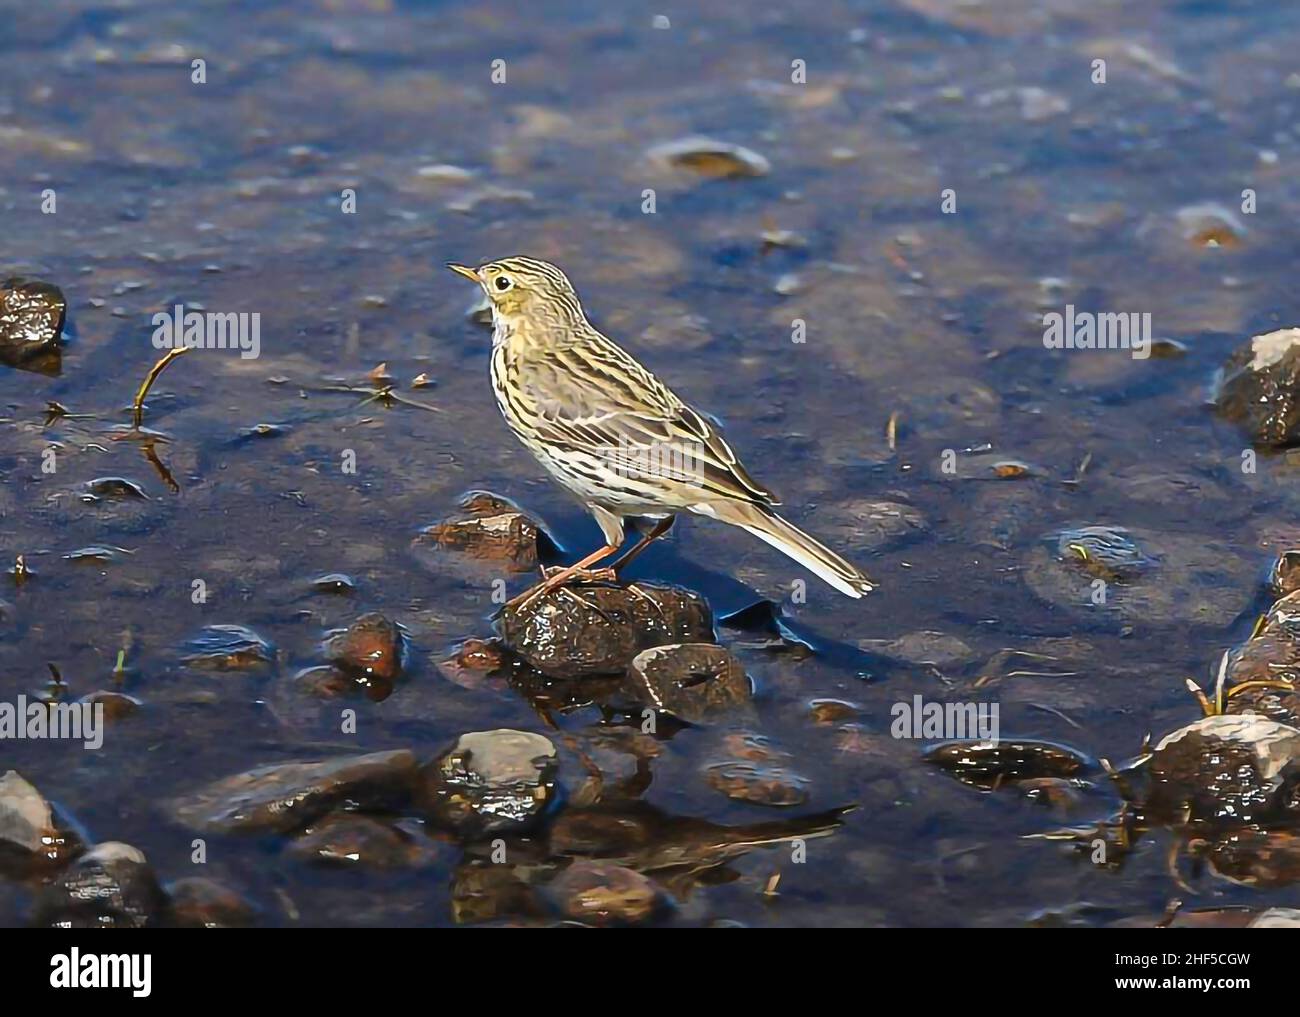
(503, 283)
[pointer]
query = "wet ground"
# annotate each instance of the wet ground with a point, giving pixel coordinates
(226, 195)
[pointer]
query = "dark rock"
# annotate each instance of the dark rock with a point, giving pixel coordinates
(114, 488)
(1259, 388)
(289, 796)
(111, 886)
(757, 783)
(600, 893)
(494, 529)
(117, 705)
(1225, 769)
(200, 903)
(471, 663)
(709, 158)
(491, 782)
(598, 629)
(483, 890)
(925, 647)
(33, 837)
(346, 838)
(992, 763)
(228, 648)
(1263, 858)
(1284, 576)
(764, 619)
(694, 682)
(371, 648)
(336, 583)
(31, 324)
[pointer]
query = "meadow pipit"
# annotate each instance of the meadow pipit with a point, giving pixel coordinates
(613, 434)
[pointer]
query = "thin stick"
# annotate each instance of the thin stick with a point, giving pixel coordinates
(149, 379)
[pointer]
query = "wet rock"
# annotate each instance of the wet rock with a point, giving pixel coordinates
(924, 647)
(987, 765)
(757, 783)
(346, 838)
(1104, 552)
(491, 782)
(602, 894)
(335, 583)
(32, 837)
(483, 890)
(695, 682)
(644, 838)
(470, 664)
(1259, 388)
(870, 525)
(1058, 792)
(200, 903)
(1284, 576)
(1276, 918)
(1137, 576)
(832, 711)
(597, 629)
(113, 489)
(1210, 225)
(1225, 769)
(1263, 858)
(493, 529)
(709, 158)
(116, 705)
(371, 648)
(31, 323)
(111, 886)
(228, 648)
(288, 796)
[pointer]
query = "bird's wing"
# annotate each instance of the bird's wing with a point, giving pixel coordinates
(594, 397)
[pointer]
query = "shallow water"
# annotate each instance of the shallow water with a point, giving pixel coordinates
(226, 195)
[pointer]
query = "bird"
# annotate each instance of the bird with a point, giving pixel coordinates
(616, 436)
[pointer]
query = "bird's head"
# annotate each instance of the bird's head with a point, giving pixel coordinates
(526, 287)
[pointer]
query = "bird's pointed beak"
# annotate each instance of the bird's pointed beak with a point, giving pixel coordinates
(468, 273)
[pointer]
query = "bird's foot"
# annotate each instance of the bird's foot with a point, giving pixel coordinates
(556, 576)
(601, 575)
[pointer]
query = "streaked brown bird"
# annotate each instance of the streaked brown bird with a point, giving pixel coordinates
(613, 433)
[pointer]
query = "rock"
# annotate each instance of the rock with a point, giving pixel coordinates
(200, 903)
(603, 894)
(1210, 225)
(347, 838)
(694, 682)
(471, 663)
(988, 765)
(336, 583)
(113, 489)
(597, 629)
(371, 649)
(1225, 769)
(492, 529)
(111, 886)
(31, 323)
(32, 837)
(1133, 576)
(644, 838)
(1284, 576)
(1259, 388)
(289, 796)
(228, 648)
(116, 705)
(1276, 918)
(765, 619)
(924, 647)
(867, 525)
(491, 782)
(709, 158)
(832, 711)
(757, 783)
(1262, 858)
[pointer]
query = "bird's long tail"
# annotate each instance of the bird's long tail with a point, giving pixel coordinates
(816, 557)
